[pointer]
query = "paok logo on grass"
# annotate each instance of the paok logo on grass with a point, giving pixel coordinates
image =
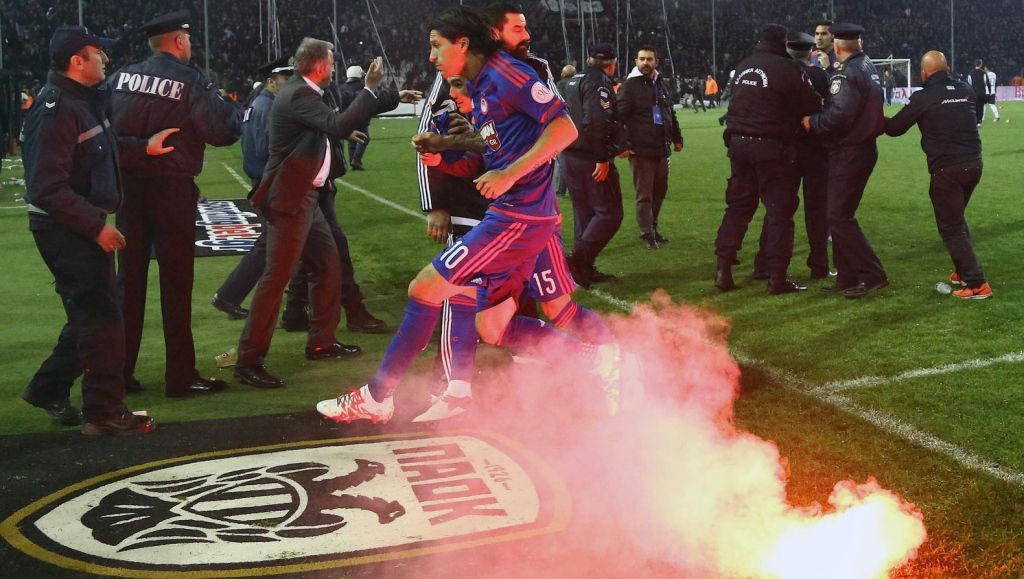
(226, 227)
(295, 507)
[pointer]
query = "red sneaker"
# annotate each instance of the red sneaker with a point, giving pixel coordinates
(978, 293)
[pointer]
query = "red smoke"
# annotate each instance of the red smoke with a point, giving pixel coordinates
(671, 488)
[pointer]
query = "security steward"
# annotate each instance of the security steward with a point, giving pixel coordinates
(944, 111)
(70, 155)
(769, 96)
(160, 193)
(849, 124)
(255, 152)
(589, 163)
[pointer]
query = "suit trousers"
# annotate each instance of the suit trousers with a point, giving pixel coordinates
(650, 180)
(91, 344)
(303, 235)
(848, 171)
(950, 191)
(158, 216)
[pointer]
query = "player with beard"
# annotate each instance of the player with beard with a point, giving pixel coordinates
(523, 126)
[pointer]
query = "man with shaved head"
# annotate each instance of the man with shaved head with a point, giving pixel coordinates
(944, 110)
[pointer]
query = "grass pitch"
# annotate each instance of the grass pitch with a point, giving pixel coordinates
(944, 370)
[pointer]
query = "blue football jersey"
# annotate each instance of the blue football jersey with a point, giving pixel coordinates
(511, 108)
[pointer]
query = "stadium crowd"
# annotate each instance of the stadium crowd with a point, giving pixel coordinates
(240, 36)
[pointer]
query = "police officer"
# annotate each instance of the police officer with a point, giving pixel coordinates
(589, 162)
(255, 152)
(944, 111)
(769, 96)
(161, 194)
(70, 156)
(849, 124)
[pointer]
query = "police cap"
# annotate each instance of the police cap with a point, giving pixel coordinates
(603, 50)
(280, 66)
(800, 41)
(847, 31)
(179, 20)
(67, 40)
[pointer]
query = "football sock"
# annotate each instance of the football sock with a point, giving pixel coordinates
(584, 323)
(412, 337)
(460, 340)
(534, 338)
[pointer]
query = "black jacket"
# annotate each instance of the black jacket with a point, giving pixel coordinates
(944, 111)
(300, 123)
(70, 157)
(592, 108)
(770, 94)
(162, 92)
(976, 79)
(853, 115)
(636, 102)
(345, 93)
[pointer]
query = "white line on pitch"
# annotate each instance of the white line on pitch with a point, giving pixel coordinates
(868, 381)
(236, 176)
(380, 199)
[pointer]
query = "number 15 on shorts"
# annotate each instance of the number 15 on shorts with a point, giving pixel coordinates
(544, 282)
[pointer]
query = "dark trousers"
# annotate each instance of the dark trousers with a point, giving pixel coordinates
(596, 207)
(812, 162)
(291, 237)
(765, 171)
(243, 278)
(91, 344)
(356, 150)
(650, 180)
(848, 171)
(979, 106)
(950, 191)
(158, 216)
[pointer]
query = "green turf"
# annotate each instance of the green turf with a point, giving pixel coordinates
(974, 520)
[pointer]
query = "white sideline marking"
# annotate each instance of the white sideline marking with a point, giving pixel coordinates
(881, 420)
(380, 199)
(868, 381)
(236, 176)
(15, 207)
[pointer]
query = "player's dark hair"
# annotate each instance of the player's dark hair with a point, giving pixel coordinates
(824, 23)
(464, 22)
(498, 11)
(647, 48)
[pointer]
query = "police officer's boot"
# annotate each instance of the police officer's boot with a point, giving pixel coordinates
(581, 268)
(723, 277)
(778, 284)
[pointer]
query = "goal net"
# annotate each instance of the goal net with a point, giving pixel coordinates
(898, 70)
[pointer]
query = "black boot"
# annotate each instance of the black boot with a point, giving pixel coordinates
(580, 268)
(723, 277)
(778, 285)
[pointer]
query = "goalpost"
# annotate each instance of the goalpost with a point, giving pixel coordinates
(899, 68)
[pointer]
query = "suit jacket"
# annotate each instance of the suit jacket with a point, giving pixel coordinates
(300, 123)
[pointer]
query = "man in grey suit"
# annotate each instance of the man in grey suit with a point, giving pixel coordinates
(303, 130)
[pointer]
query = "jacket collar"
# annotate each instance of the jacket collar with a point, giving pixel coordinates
(72, 86)
(937, 78)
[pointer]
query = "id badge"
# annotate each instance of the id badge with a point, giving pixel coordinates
(657, 115)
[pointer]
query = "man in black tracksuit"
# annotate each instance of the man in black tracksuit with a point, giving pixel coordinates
(589, 162)
(73, 183)
(848, 126)
(769, 96)
(943, 110)
(976, 78)
(652, 131)
(159, 209)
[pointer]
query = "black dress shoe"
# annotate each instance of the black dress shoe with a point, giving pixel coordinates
(836, 288)
(257, 376)
(234, 311)
(360, 320)
(335, 350)
(133, 386)
(200, 386)
(599, 276)
(60, 410)
(660, 238)
(862, 289)
(125, 424)
(582, 274)
(784, 287)
(723, 279)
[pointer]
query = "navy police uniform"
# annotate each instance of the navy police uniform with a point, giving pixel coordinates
(160, 192)
(597, 207)
(944, 111)
(848, 127)
(770, 94)
(70, 156)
